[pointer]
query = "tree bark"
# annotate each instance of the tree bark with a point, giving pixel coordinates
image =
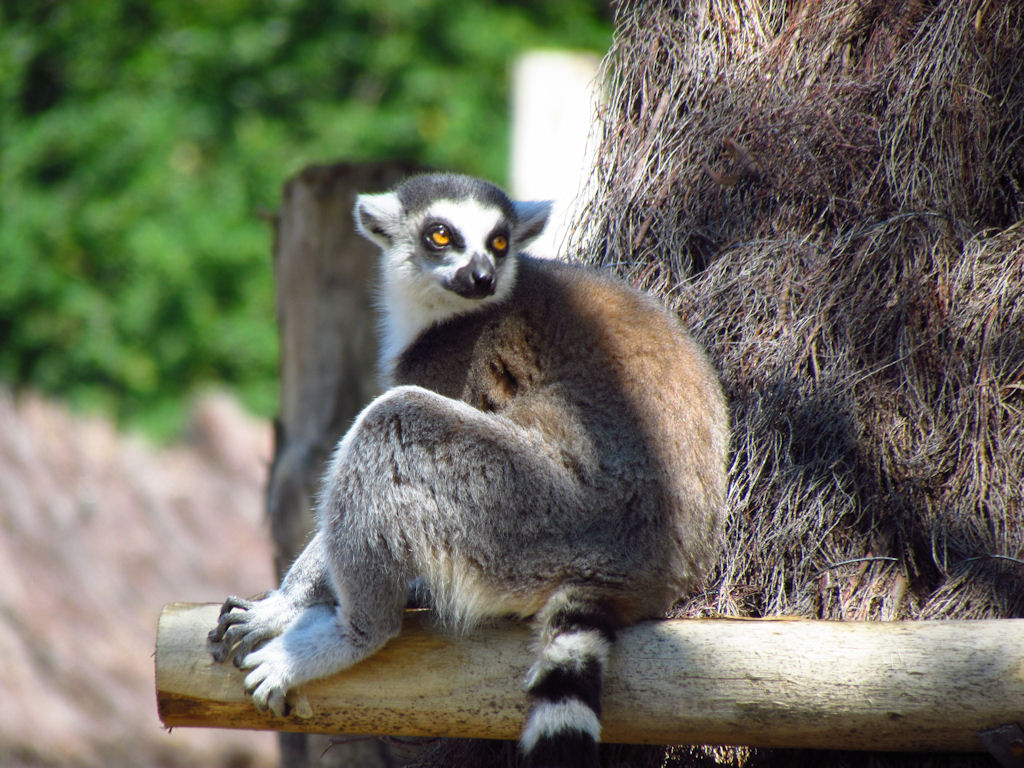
(324, 272)
(901, 686)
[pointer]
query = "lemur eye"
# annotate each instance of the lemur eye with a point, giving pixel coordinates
(439, 236)
(499, 243)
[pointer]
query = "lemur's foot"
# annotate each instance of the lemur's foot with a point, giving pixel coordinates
(271, 677)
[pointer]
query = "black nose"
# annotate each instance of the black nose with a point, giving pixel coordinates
(483, 281)
(475, 280)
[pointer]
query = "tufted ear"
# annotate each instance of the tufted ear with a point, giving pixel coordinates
(531, 217)
(377, 217)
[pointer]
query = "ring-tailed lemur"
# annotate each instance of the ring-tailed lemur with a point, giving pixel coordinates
(553, 445)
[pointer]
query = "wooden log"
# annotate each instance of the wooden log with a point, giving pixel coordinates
(902, 686)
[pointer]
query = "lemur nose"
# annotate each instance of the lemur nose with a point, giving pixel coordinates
(476, 279)
(483, 281)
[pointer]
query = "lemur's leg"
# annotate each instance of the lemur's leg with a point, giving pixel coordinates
(420, 485)
(244, 624)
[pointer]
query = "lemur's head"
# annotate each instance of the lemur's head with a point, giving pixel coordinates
(450, 240)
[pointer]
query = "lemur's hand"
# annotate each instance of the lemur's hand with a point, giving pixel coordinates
(246, 624)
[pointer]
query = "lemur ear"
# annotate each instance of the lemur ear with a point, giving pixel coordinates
(377, 217)
(531, 217)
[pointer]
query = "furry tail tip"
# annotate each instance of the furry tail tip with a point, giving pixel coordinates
(564, 725)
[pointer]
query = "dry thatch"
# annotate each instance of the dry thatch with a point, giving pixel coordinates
(831, 194)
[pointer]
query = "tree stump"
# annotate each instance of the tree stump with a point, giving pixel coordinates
(324, 272)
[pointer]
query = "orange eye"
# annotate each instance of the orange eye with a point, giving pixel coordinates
(499, 243)
(439, 236)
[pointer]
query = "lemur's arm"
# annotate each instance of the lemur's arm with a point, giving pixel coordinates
(244, 624)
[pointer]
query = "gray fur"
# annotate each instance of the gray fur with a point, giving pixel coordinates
(419, 192)
(555, 448)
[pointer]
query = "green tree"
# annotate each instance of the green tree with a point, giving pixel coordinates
(139, 139)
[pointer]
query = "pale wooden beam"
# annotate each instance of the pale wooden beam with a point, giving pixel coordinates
(832, 685)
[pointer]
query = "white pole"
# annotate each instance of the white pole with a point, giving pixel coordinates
(554, 102)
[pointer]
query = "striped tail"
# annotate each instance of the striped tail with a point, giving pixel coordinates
(564, 684)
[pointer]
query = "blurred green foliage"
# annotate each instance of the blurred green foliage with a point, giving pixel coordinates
(139, 139)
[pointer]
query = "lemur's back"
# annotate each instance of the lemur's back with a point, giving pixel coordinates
(633, 407)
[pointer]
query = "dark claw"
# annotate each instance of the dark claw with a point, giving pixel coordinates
(235, 634)
(221, 638)
(235, 602)
(231, 619)
(244, 648)
(226, 621)
(242, 651)
(235, 641)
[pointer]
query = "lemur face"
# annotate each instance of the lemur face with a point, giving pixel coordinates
(463, 246)
(450, 240)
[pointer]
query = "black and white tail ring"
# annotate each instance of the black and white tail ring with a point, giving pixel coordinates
(564, 725)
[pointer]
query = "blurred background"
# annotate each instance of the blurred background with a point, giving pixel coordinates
(143, 146)
(142, 140)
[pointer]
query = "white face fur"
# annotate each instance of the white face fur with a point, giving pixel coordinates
(450, 257)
